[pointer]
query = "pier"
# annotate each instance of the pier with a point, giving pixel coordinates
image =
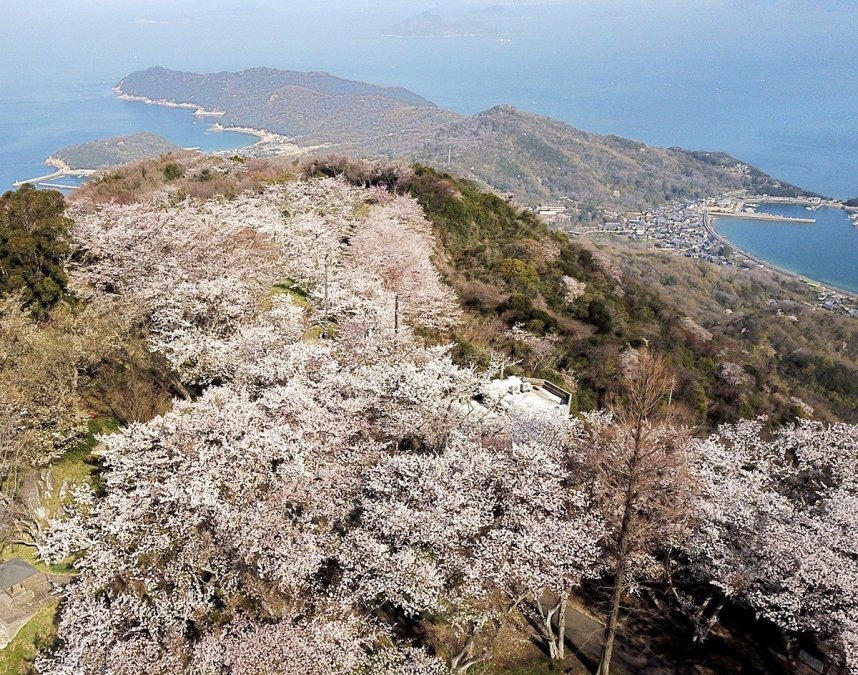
(45, 181)
(759, 216)
(58, 186)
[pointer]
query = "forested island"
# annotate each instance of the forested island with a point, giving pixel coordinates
(102, 153)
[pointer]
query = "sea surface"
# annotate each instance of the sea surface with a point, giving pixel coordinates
(35, 123)
(826, 251)
(772, 82)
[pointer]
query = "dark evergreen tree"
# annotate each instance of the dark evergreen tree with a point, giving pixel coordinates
(34, 245)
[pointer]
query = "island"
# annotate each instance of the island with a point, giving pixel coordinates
(428, 25)
(535, 158)
(105, 152)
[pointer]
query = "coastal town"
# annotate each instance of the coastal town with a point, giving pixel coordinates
(687, 228)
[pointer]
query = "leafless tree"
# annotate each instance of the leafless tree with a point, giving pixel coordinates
(640, 465)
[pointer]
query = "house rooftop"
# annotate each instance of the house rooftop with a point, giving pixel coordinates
(14, 572)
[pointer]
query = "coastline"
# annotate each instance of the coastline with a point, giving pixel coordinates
(62, 169)
(198, 109)
(709, 223)
(268, 143)
(59, 164)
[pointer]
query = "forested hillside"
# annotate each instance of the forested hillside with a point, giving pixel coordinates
(313, 108)
(307, 476)
(540, 159)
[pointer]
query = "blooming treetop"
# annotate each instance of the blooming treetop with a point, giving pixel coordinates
(780, 516)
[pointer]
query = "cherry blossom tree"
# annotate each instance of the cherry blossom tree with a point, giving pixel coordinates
(403, 264)
(335, 646)
(445, 531)
(201, 272)
(329, 466)
(779, 525)
(243, 496)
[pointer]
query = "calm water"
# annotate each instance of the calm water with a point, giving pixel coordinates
(826, 251)
(35, 123)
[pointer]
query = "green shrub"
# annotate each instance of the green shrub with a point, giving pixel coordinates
(173, 171)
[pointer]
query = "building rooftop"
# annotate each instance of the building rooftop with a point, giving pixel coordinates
(529, 393)
(14, 572)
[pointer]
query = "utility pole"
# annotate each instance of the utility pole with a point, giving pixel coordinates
(396, 314)
(326, 293)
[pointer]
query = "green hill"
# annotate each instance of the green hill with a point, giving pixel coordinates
(541, 159)
(313, 108)
(105, 152)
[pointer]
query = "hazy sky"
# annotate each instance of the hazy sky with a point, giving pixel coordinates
(109, 36)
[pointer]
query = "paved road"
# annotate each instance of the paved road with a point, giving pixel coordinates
(584, 637)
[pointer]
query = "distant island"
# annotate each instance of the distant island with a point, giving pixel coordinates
(105, 152)
(312, 109)
(537, 159)
(428, 25)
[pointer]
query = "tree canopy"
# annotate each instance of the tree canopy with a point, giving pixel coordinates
(34, 243)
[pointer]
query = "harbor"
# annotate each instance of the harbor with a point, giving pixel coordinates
(790, 239)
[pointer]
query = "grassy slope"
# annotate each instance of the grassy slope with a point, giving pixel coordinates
(16, 658)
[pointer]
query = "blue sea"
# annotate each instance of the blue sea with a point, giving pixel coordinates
(772, 82)
(826, 250)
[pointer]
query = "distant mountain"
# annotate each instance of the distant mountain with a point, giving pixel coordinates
(106, 152)
(432, 25)
(536, 158)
